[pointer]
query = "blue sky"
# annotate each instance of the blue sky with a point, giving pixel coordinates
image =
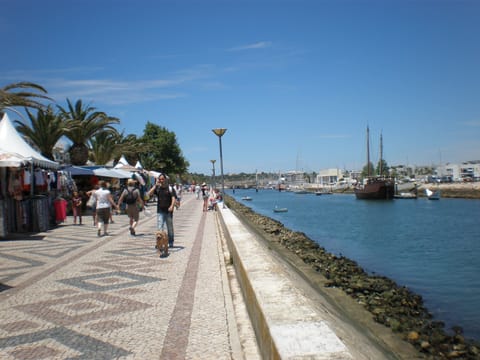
(295, 82)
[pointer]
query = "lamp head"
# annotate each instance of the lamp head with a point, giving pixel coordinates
(219, 132)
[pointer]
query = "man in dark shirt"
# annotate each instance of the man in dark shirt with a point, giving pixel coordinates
(165, 205)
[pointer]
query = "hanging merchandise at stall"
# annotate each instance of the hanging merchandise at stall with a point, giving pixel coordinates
(27, 181)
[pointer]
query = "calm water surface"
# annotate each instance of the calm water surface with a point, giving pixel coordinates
(432, 247)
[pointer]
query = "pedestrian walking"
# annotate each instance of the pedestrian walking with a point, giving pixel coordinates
(204, 191)
(134, 202)
(92, 203)
(104, 202)
(165, 205)
(178, 195)
(197, 192)
(77, 207)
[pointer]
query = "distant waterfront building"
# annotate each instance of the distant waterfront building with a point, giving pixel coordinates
(295, 178)
(60, 154)
(465, 171)
(403, 171)
(327, 177)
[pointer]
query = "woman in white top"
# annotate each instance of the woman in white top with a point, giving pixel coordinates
(104, 201)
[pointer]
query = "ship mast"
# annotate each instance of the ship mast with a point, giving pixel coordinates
(368, 151)
(381, 156)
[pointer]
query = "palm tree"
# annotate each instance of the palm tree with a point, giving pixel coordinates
(130, 146)
(102, 148)
(108, 146)
(45, 131)
(82, 123)
(10, 96)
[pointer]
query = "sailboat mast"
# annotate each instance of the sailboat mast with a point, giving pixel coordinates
(381, 155)
(368, 151)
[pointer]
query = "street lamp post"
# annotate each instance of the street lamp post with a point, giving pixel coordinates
(219, 132)
(213, 172)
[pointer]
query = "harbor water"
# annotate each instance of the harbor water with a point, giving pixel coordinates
(431, 247)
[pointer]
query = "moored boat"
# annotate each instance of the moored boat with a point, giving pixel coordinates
(405, 195)
(323, 192)
(301, 192)
(280, 209)
(432, 195)
(375, 187)
(413, 194)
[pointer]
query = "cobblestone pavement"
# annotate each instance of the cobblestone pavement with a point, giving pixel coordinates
(68, 294)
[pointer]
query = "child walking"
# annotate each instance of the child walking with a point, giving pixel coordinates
(77, 207)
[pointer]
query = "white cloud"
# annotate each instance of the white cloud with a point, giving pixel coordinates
(71, 83)
(257, 45)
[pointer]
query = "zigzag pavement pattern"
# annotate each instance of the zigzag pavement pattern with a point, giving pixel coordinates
(73, 295)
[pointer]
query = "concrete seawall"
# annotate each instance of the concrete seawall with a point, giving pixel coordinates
(291, 319)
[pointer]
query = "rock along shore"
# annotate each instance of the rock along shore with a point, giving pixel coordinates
(396, 308)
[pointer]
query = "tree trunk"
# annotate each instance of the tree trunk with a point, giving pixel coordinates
(78, 154)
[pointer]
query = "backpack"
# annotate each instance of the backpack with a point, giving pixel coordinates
(130, 198)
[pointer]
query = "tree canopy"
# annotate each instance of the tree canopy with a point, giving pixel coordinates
(92, 133)
(82, 122)
(160, 151)
(45, 129)
(22, 94)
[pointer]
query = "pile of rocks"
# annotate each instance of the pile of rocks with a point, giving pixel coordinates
(394, 306)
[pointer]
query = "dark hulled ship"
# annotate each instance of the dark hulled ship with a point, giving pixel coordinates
(375, 187)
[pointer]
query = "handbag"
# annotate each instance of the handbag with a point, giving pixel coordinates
(91, 201)
(147, 211)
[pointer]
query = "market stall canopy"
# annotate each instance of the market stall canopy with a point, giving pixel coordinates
(121, 162)
(125, 167)
(109, 173)
(11, 141)
(78, 170)
(122, 174)
(138, 165)
(10, 159)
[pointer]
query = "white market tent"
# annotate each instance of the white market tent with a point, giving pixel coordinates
(112, 173)
(11, 159)
(124, 165)
(121, 162)
(12, 143)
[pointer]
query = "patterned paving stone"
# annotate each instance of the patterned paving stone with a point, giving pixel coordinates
(71, 295)
(58, 343)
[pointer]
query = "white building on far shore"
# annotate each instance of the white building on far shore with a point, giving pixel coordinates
(465, 171)
(329, 177)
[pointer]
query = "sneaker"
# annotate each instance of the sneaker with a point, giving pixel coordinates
(170, 244)
(99, 233)
(132, 230)
(105, 234)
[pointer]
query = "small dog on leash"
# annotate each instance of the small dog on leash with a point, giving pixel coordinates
(162, 243)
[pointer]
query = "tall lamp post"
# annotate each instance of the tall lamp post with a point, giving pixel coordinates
(219, 132)
(213, 172)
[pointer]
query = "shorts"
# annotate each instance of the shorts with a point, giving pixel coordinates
(132, 212)
(103, 215)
